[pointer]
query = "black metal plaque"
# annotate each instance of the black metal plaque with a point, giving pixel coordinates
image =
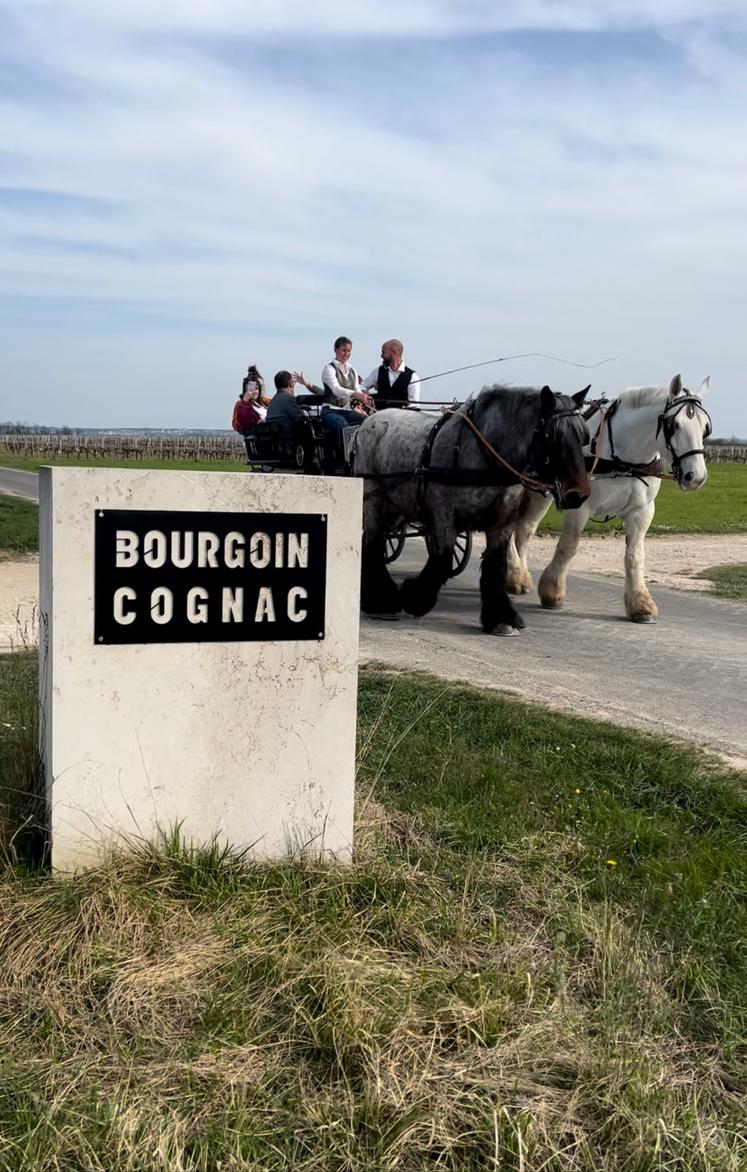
(208, 577)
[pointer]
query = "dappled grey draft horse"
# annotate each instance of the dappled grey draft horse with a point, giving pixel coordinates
(464, 470)
(636, 436)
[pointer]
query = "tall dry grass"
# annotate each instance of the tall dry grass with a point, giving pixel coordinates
(480, 989)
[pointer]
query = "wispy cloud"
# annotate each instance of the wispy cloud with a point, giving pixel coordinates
(187, 186)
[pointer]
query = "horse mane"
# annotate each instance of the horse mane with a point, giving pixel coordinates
(643, 396)
(512, 398)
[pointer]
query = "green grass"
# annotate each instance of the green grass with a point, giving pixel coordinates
(536, 962)
(19, 525)
(719, 507)
(729, 581)
(19, 779)
(32, 465)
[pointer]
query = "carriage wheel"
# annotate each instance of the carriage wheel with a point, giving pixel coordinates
(394, 543)
(460, 554)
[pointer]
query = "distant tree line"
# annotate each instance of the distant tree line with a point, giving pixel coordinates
(17, 428)
(34, 429)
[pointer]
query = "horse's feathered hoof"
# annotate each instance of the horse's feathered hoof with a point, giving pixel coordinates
(384, 601)
(552, 603)
(505, 630)
(415, 600)
(643, 618)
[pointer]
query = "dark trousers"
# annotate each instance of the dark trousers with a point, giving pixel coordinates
(337, 420)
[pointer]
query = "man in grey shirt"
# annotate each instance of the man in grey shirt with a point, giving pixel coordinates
(283, 409)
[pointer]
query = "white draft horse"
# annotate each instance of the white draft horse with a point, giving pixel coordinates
(463, 471)
(626, 462)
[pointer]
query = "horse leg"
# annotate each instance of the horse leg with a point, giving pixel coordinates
(553, 579)
(532, 509)
(639, 605)
(379, 591)
(420, 594)
(498, 614)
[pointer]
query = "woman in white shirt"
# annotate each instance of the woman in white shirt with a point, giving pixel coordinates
(341, 380)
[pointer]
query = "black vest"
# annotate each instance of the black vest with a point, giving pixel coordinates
(397, 391)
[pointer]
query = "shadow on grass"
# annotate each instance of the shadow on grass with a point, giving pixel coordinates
(23, 834)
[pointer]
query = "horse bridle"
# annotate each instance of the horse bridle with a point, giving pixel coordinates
(666, 425)
(544, 435)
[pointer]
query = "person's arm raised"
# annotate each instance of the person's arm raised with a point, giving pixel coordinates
(300, 380)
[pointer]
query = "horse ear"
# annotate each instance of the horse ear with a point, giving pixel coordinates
(579, 397)
(704, 387)
(675, 387)
(547, 399)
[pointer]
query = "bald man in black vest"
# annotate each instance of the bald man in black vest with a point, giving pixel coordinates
(393, 381)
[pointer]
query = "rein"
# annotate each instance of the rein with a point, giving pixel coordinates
(464, 477)
(527, 481)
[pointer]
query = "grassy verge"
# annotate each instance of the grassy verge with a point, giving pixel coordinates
(19, 788)
(720, 507)
(728, 581)
(535, 963)
(19, 525)
(29, 465)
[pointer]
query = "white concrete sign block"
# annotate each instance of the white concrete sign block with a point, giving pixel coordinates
(198, 659)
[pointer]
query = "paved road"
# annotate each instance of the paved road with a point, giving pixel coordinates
(25, 484)
(685, 676)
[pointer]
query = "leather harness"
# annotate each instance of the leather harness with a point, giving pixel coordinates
(469, 477)
(615, 467)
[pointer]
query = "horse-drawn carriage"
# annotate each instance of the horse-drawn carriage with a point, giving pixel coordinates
(493, 464)
(315, 451)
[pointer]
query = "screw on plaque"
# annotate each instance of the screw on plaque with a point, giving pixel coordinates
(100, 513)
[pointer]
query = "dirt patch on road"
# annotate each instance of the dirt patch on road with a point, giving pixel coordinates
(19, 591)
(670, 561)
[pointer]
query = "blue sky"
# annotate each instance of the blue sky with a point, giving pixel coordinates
(190, 186)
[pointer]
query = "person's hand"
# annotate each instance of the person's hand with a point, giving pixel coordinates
(299, 378)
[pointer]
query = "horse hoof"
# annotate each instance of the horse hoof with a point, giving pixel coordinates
(413, 600)
(551, 603)
(505, 631)
(642, 618)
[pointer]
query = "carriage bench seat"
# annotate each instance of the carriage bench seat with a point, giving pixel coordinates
(268, 447)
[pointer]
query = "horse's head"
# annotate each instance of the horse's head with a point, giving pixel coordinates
(685, 425)
(557, 451)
